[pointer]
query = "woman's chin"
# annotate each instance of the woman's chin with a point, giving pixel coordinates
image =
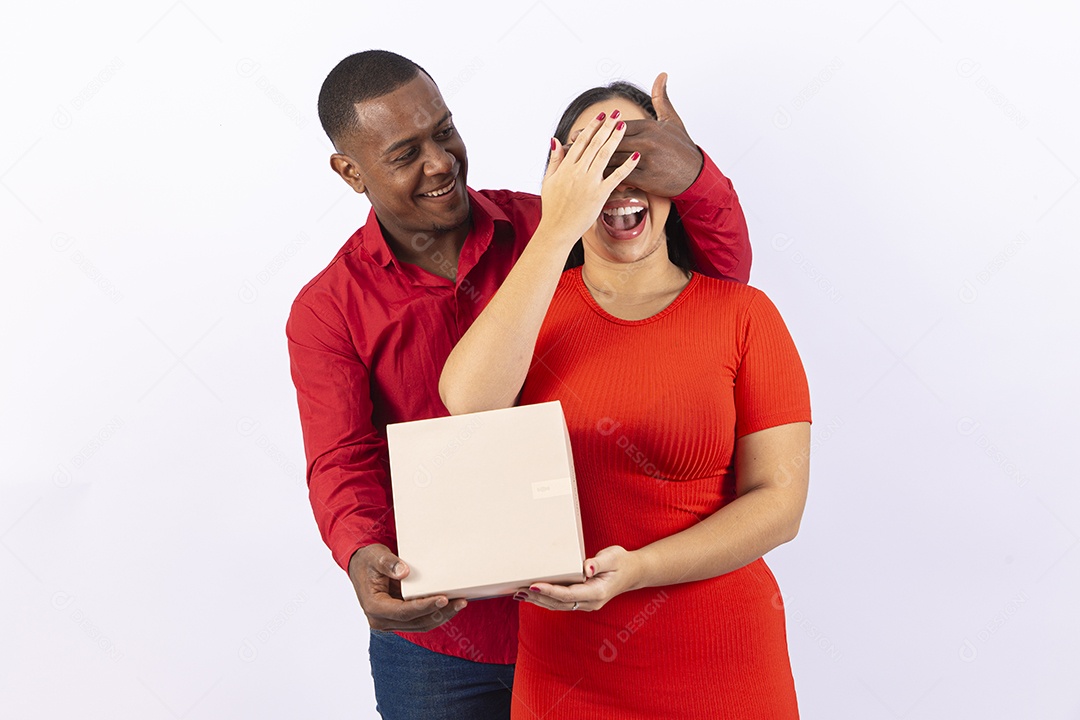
(627, 250)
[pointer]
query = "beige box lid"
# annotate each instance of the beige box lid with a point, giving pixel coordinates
(486, 503)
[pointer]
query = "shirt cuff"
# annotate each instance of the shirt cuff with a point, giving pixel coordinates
(710, 183)
(360, 536)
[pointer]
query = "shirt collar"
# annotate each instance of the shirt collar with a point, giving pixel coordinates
(485, 214)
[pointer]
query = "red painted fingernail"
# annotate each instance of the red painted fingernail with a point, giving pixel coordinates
(620, 125)
(534, 588)
(601, 116)
(520, 596)
(635, 156)
(592, 569)
(615, 115)
(552, 144)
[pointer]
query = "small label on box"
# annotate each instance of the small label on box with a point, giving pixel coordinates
(550, 488)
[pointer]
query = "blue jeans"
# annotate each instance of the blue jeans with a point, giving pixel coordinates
(414, 683)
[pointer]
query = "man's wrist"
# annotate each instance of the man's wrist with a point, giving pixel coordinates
(358, 555)
(691, 190)
(353, 558)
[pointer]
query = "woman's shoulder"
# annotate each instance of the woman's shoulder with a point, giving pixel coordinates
(733, 303)
(731, 291)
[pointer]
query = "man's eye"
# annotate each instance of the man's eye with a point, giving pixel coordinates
(405, 156)
(443, 134)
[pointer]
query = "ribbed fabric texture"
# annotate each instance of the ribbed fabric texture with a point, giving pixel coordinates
(654, 409)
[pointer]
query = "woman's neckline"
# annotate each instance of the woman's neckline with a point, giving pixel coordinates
(583, 289)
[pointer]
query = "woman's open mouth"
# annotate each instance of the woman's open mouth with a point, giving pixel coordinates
(624, 219)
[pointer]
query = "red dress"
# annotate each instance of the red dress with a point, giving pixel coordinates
(654, 408)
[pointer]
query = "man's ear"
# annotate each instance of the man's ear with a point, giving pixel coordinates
(349, 171)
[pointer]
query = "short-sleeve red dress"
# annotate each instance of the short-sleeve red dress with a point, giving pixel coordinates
(654, 409)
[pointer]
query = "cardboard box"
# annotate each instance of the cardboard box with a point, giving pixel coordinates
(486, 503)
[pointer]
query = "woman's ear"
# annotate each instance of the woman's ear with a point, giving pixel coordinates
(349, 171)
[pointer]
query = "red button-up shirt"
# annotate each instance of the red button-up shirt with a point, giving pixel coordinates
(368, 337)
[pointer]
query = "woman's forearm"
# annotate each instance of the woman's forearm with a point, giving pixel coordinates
(772, 476)
(487, 368)
(732, 537)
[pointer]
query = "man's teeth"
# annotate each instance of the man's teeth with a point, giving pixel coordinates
(615, 212)
(437, 193)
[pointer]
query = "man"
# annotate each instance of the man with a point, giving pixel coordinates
(369, 335)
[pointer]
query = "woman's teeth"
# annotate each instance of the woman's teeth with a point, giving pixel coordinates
(624, 218)
(624, 210)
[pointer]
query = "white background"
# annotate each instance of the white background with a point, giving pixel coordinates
(909, 175)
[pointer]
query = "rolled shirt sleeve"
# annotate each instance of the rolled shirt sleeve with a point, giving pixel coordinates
(715, 224)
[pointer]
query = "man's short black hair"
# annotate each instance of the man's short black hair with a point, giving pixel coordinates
(359, 77)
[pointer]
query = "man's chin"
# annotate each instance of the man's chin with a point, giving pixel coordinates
(436, 227)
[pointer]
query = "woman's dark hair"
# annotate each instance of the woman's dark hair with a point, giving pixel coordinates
(678, 247)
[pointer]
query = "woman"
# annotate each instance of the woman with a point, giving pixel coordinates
(689, 419)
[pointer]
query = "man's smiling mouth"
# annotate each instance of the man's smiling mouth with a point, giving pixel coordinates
(439, 192)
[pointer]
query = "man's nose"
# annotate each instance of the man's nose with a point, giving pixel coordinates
(438, 162)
